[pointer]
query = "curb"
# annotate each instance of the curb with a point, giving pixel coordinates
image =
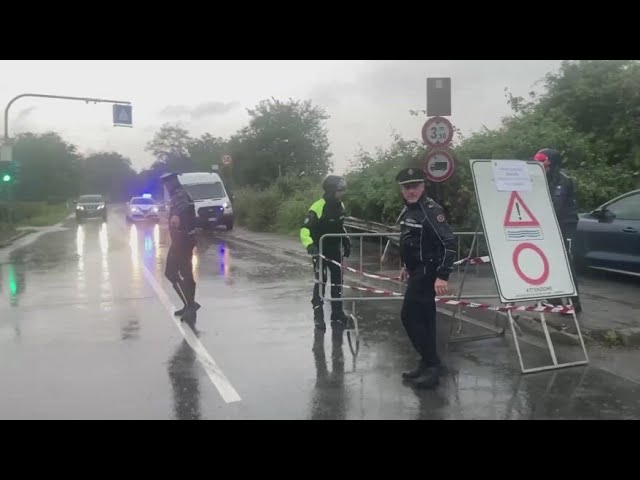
(8, 242)
(260, 245)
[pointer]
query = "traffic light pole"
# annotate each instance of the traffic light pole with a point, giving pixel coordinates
(40, 95)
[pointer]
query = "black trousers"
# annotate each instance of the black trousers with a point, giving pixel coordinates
(568, 233)
(336, 281)
(419, 314)
(179, 267)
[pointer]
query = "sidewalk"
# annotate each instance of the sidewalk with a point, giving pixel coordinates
(611, 303)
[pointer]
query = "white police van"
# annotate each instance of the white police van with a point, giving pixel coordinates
(212, 203)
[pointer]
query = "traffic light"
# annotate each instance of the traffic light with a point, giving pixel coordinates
(5, 171)
(9, 172)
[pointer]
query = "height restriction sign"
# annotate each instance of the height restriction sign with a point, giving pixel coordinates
(437, 132)
(526, 247)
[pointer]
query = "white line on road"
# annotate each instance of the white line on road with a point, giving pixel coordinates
(226, 390)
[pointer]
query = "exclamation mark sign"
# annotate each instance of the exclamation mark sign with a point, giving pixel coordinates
(518, 208)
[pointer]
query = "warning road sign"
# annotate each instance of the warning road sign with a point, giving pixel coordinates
(524, 225)
(527, 265)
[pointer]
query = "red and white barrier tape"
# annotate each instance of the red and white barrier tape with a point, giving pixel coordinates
(473, 261)
(366, 289)
(464, 303)
(360, 272)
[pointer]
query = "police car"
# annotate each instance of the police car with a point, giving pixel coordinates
(143, 208)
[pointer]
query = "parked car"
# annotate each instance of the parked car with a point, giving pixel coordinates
(143, 208)
(91, 206)
(608, 238)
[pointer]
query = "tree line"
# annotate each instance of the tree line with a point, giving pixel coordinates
(282, 138)
(590, 110)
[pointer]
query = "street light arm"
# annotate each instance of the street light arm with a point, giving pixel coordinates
(61, 97)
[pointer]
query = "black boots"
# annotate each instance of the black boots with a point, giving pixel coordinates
(424, 376)
(339, 320)
(186, 290)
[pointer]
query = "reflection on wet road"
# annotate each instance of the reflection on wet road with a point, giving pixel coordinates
(85, 333)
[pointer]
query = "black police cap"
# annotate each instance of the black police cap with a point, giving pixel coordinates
(410, 175)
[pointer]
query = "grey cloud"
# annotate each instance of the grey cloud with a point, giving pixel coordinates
(199, 111)
(388, 81)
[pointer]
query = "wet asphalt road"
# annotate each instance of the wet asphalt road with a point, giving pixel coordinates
(86, 332)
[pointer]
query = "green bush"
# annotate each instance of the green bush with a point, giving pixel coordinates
(34, 214)
(279, 208)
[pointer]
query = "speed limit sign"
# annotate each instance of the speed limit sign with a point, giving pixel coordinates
(437, 132)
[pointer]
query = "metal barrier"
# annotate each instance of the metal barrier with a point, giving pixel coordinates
(353, 330)
(353, 334)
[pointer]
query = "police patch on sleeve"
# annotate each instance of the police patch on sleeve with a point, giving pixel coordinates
(440, 218)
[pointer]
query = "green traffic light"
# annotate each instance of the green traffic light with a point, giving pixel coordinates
(6, 178)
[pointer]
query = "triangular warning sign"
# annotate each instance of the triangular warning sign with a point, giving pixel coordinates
(122, 116)
(518, 214)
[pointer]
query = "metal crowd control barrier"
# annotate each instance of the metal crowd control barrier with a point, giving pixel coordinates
(353, 333)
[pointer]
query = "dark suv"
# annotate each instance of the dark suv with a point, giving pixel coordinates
(91, 206)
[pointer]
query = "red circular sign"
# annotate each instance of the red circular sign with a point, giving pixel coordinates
(545, 263)
(437, 132)
(226, 160)
(438, 165)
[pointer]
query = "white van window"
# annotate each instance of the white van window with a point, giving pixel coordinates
(205, 191)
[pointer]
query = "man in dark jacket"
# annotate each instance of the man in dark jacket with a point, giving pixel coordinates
(327, 216)
(564, 203)
(179, 267)
(427, 251)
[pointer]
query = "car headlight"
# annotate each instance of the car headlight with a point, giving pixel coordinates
(100, 207)
(225, 205)
(79, 207)
(135, 210)
(155, 209)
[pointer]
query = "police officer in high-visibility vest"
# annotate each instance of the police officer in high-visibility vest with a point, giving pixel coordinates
(327, 216)
(427, 252)
(179, 267)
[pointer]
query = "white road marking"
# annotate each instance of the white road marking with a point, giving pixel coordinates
(226, 390)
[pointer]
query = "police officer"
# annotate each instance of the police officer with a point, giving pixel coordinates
(179, 268)
(427, 251)
(564, 204)
(327, 216)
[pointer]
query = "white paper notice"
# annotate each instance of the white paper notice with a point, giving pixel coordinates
(511, 176)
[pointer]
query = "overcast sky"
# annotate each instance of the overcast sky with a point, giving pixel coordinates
(367, 100)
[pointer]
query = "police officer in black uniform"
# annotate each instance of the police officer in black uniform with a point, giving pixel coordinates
(179, 268)
(427, 251)
(327, 216)
(564, 203)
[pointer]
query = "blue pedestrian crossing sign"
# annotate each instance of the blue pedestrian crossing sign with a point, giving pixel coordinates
(122, 115)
